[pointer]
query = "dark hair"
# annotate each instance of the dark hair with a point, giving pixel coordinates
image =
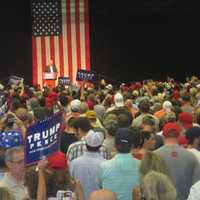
(58, 180)
(42, 101)
(149, 120)
(123, 120)
(192, 134)
(83, 123)
(55, 180)
(64, 100)
(93, 149)
(71, 121)
(10, 120)
(177, 110)
(31, 182)
(198, 118)
(144, 106)
(186, 98)
(145, 135)
(136, 136)
(123, 148)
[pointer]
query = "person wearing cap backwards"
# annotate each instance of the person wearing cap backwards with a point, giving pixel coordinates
(85, 167)
(74, 109)
(82, 126)
(184, 168)
(119, 108)
(121, 173)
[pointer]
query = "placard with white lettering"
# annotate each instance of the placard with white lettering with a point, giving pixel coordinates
(84, 75)
(64, 80)
(43, 138)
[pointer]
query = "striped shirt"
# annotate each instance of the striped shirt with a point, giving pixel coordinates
(77, 149)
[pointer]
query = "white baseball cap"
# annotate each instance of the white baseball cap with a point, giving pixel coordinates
(94, 138)
(119, 100)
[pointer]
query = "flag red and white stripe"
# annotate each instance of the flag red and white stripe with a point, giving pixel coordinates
(69, 51)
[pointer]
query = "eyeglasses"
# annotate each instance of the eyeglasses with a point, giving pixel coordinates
(19, 162)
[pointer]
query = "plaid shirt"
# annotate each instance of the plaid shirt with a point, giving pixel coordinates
(77, 149)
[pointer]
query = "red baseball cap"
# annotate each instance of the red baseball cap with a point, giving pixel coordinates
(57, 161)
(171, 126)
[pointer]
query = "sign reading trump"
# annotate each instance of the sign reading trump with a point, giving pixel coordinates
(43, 138)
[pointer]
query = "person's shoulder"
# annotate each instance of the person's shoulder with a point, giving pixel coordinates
(197, 186)
(161, 149)
(194, 191)
(137, 161)
(106, 163)
(75, 144)
(103, 147)
(77, 161)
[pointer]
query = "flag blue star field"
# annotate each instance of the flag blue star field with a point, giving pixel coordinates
(60, 34)
(47, 19)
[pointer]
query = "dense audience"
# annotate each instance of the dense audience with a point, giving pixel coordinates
(135, 141)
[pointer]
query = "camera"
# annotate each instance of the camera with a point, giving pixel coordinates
(10, 120)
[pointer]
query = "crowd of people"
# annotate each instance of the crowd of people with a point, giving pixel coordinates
(132, 142)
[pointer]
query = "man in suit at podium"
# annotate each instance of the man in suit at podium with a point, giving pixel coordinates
(51, 67)
(50, 74)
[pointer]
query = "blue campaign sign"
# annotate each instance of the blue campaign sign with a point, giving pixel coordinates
(42, 138)
(64, 80)
(84, 75)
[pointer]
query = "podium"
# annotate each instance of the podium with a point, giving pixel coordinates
(50, 79)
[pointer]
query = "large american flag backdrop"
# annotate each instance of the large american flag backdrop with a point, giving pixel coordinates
(60, 32)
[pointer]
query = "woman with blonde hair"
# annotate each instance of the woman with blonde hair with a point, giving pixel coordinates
(150, 161)
(157, 186)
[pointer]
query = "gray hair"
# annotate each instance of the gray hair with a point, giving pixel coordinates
(156, 185)
(9, 152)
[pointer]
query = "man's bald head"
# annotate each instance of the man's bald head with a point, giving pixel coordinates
(102, 195)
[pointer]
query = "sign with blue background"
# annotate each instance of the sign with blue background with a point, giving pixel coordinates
(84, 75)
(64, 80)
(42, 138)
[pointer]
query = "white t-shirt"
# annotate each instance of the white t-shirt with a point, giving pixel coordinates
(196, 153)
(194, 192)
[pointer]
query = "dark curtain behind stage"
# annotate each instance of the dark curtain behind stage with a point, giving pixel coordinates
(129, 39)
(15, 40)
(145, 39)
